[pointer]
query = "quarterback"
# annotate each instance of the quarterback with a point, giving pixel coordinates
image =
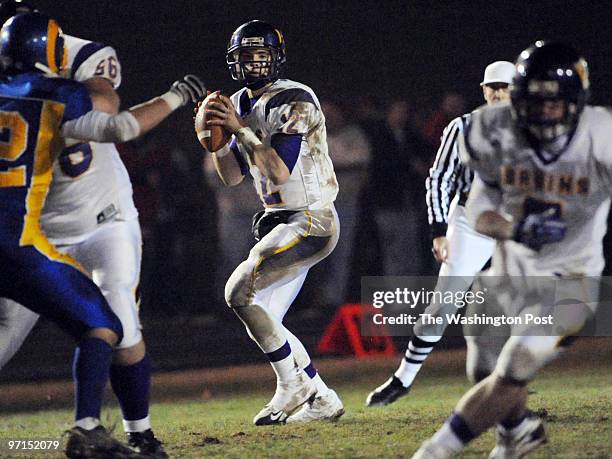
(279, 138)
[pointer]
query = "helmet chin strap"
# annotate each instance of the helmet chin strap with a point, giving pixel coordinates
(259, 84)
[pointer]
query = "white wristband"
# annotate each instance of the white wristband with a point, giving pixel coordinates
(247, 137)
(224, 151)
(173, 100)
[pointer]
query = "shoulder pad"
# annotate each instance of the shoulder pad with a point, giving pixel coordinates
(288, 96)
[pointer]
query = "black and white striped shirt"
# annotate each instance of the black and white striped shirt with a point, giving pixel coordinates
(447, 177)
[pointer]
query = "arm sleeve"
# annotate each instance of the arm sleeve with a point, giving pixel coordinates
(102, 127)
(442, 181)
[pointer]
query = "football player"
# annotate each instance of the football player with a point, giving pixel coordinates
(542, 190)
(462, 251)
(279, 138)
(23, 51)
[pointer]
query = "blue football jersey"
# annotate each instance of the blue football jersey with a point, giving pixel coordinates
(33, 108)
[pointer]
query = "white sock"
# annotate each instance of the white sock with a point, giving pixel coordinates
(285, 369)
(299, 351)
(283, 362)
(407, 372)
(88, 423)
(320, 384)
(447, 438)
(139, 425)
(418, 350)
(303, 360)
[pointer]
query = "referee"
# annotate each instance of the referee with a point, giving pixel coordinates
(456, 245)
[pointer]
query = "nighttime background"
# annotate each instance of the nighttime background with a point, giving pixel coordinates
(344, 50)
(340, 48)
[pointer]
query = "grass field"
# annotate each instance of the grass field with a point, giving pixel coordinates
(215, 420)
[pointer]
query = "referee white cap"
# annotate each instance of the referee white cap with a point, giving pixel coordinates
(498, 72)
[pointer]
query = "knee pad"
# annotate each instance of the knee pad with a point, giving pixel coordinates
(482, 353)
(239, 288)
(122, 301)
(132, 333)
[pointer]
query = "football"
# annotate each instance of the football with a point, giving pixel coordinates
(212, 138)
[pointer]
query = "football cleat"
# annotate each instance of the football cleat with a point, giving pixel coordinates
(431, 450)
(269, 416)
(146, 444)
(387, 393)
(97, 443)
(528, 436)
(325, 407)
(288, 397)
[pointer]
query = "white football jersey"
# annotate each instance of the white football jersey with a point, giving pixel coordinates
(576, 184)
(90, 183)
(288, 107)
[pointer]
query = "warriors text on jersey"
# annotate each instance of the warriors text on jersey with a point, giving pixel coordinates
(90, 183)
(289, 111)
(575, 183)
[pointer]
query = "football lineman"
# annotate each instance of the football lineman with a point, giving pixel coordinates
(543, 185)
(89, 214)
(461, 250)
(37, 108)
(279, 138)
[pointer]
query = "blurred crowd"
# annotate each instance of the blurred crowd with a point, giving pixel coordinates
(382, 151)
